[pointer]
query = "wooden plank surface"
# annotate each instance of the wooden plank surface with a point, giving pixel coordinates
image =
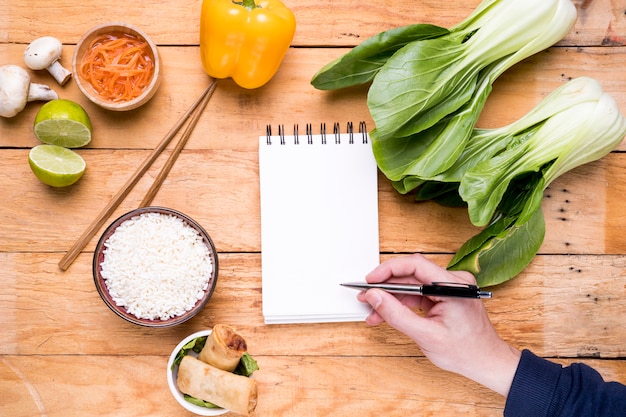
(220, 189)
(297, 386)
(528, 311)
(290, 99)
(63, 353)
(322, 22)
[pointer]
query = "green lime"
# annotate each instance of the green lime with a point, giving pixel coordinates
(55, 165)
(64, 123)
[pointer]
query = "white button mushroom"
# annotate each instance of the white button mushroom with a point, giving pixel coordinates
(16, 90)
(44, 53)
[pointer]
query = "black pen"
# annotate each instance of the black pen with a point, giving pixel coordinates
(439, 289)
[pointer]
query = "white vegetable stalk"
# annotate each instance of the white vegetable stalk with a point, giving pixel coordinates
(560, 23)
(598, 129)
(573, 93)
(570, 136)
(504, 27)
(484, 143)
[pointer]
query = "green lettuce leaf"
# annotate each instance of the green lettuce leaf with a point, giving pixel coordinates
(362, 63)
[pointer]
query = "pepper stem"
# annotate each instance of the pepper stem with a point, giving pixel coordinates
(248, 4)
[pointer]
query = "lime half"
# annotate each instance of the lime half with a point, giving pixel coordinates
(56, 166)
(64, 123)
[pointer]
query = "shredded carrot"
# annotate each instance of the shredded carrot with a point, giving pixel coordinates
(118, 66)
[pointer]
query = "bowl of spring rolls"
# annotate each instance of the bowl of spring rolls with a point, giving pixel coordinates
(210, 373)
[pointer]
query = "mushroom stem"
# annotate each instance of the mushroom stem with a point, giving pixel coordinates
(59, 72)
(41, 92)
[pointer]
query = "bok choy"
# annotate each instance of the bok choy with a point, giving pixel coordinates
(503, 173)
(426, 95)
(428, 88)
(571, 137)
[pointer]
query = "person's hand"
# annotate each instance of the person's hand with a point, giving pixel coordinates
(455, 334)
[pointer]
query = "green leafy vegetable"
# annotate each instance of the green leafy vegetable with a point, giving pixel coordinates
(504, 172)
(199, 402)
(361, 64)
(444, 82)
(426, 95)
(194, 345)
(505, 247)
(501, 251)
(586, 127)
(247, 365)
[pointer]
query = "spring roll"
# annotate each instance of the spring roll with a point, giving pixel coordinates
(236, 393)
(224, 348)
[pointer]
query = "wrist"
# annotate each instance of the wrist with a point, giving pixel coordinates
(497, 370)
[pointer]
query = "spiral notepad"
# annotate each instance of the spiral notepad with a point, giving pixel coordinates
(319, 223)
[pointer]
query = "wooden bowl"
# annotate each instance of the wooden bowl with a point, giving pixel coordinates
(136, 276)
(83, 46)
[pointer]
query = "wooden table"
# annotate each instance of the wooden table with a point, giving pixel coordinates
(64, 353)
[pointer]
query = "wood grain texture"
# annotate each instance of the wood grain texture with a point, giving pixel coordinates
(234, 114)
(288, 386)
(220, 189)
(561, 305)
(174, 22)
(64, 353)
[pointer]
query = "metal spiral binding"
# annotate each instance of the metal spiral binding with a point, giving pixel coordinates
(350, 133)
(363, 131)
(268, 134)
(309, 133)
(281, 134)
(337, 133)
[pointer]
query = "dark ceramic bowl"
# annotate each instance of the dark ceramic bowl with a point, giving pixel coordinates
(103, 290)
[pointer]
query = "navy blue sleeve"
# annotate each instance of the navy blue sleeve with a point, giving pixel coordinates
(542, 388)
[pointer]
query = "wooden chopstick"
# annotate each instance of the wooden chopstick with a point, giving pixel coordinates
(176, 151)
(106, 212)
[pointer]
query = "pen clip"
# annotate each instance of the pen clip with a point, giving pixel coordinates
(455, 284)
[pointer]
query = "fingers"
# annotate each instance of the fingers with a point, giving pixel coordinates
(405, 266)
(417, 268)
(389, 309)
(463, 276)
(411, 301)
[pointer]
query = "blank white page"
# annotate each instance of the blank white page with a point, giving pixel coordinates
(319, 226)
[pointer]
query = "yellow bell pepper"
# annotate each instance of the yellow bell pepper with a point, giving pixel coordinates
(244, 40)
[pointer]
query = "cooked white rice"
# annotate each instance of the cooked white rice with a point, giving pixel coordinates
(156, 266)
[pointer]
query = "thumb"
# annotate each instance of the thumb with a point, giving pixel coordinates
(392, 311)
